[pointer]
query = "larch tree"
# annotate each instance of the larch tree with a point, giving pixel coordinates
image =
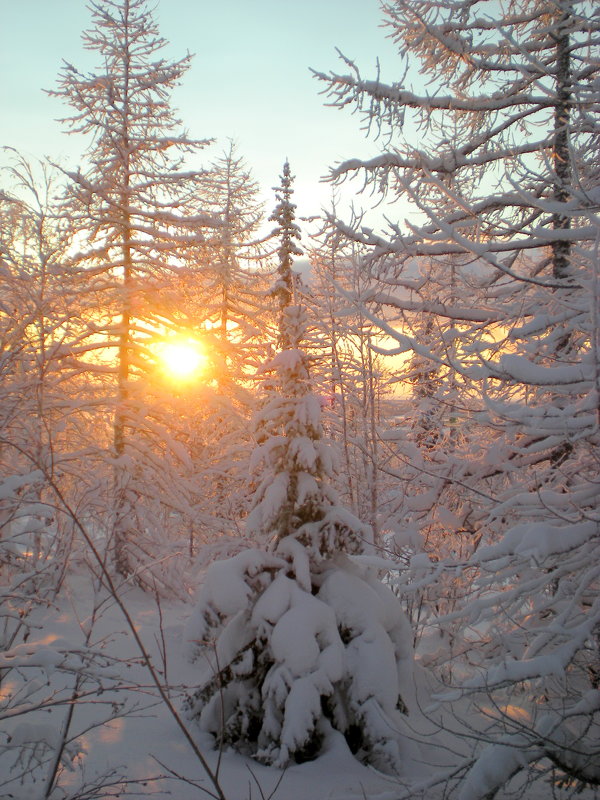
(219, 301)
(231, 295)
(133, 205)
(500, 159)
(233, 255)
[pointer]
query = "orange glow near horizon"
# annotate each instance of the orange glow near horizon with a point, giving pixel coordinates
(182, 360)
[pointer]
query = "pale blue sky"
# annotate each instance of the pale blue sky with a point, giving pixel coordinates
(249, 80)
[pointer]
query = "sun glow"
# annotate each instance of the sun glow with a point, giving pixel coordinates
(182, 359)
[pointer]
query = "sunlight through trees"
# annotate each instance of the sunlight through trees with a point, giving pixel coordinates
(321, 490)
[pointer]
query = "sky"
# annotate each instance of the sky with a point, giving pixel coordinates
(250, 81)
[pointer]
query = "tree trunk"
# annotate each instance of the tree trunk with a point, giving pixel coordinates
(561, 248)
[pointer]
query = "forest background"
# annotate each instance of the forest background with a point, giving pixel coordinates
(169, 385)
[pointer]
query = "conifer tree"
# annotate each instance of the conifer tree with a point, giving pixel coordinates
(505, 176)
(133, 205)
(286, 638)
(286, 232)
(231, 258)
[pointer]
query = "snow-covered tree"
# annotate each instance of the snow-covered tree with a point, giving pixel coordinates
(45, 434)
(352, 376)
(438, 437)
(231, 274)
(300, 638)
(504, 174)
(287, 233)
(133, 205)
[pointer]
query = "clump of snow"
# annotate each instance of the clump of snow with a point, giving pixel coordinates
(540, 540)
(496, 764)
(226, 590)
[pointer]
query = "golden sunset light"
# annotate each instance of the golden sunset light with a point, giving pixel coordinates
(182, 359)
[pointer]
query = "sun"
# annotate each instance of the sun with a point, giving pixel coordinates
(182, 359)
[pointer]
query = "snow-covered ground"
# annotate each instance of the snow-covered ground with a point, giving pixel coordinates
(123, 741)
(140, 741)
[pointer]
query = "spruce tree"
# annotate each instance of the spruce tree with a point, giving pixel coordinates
(300, 638)
(287, 233)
